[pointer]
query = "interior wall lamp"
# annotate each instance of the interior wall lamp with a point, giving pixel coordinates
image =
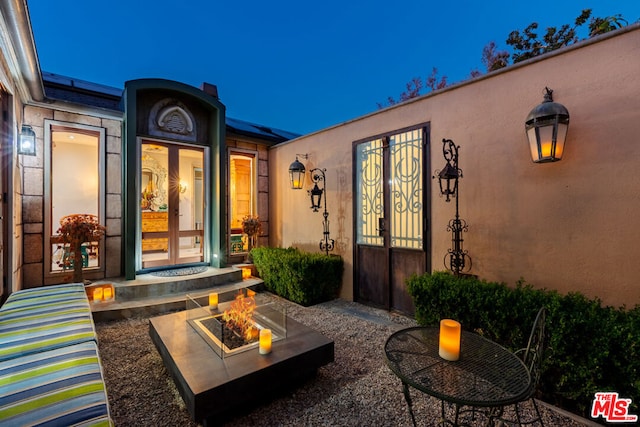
(27, 141)
(296, 172)
(546, 128)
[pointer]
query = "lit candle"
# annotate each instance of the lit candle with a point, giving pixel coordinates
(449, 339)
(246, 272)
(97, 294)
(213, 301)
(107, 292)
(265, 341)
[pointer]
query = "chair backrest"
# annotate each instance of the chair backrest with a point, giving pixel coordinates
(532, 357)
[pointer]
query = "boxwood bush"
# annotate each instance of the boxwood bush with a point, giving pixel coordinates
(301, 277)
(589, 347)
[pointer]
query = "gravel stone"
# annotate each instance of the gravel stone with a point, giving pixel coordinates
(357, 389)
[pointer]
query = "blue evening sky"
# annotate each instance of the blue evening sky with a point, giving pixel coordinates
(295, 65)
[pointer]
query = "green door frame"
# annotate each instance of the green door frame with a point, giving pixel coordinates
(217, 230)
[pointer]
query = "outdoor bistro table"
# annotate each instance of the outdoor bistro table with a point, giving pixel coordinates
(486, 376)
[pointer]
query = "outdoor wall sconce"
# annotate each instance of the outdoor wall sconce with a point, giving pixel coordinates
(458, 259)
(296, 176)
(318, 176)
(546, 128)
(27, 141)
(296, 172)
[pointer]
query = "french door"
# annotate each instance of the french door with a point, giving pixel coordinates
(391, 225)
(171, 204)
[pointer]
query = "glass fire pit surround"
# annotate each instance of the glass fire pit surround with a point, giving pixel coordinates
(230, 322)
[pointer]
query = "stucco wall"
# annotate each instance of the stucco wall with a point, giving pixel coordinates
(570, 225)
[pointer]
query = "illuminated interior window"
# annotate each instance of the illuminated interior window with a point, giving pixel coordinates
(74, 189)
(242, 195)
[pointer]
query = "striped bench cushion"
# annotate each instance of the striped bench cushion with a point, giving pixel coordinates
(40, 324)
(62, 387)
(67, 288)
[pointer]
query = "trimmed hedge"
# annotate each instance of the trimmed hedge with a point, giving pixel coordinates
(304, 278)
(589, 348)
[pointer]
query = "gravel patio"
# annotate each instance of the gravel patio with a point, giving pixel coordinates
(358, 389)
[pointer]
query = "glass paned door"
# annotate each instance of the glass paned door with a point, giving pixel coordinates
(390, 220)
(172, 204)
(190, 213)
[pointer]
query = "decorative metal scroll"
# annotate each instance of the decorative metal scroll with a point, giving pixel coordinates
(370, 191)
(327, 243)
(406, 189)
(457, 259)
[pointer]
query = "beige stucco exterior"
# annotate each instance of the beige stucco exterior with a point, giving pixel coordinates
(570, 225)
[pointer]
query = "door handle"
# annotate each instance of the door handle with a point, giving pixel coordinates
(381, 228)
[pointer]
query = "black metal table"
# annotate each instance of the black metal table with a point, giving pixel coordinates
(486, 376)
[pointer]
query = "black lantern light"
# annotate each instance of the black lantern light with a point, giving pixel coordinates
(27, 141)
(296, 173)
(457, 259)
(316, 197)
(546, 128)
(318, 176)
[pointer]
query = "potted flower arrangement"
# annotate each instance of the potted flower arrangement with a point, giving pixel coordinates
(251, 226)
(75, 230)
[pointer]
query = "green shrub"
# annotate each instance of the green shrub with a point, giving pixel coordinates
(304, 278)
(589, 348)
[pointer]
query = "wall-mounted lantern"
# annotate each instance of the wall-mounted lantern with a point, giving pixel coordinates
(318, 176)
(457, 259)
(296, 173)
(297, 176)
(546, 128)
(27, 141)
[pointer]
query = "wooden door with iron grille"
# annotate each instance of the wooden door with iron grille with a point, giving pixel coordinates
(390, 218)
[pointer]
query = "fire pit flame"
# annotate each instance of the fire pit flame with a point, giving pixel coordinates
(239, 317)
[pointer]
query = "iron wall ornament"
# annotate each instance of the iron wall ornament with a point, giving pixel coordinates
(318, 177)
(457, 259)
(546, 127)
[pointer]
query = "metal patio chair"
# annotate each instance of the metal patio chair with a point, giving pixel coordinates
(532, 357)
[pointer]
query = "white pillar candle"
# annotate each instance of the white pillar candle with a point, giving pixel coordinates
(265, 341)
(449, 339)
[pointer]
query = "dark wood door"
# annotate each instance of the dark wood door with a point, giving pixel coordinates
(390, 218)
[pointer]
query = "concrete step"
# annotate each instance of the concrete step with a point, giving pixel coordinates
(149, 295)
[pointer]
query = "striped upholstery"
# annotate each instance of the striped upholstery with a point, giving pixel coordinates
(41, 322)
(67, 288)
(61, 387)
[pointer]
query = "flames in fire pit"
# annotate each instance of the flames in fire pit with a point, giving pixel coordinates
(239, 317)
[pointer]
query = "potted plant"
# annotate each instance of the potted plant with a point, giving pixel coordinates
(251, 226)
(74, 231)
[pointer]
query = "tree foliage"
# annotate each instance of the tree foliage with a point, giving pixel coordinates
(415, 85)
(525, 44)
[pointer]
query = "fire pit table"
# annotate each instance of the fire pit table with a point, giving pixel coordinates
(216, 382)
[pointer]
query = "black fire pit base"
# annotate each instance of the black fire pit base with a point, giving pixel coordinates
(213, 388)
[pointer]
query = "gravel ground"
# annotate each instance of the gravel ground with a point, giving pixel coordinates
(358, 389)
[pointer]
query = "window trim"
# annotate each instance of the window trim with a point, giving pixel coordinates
(254, 197)
(55, 125)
